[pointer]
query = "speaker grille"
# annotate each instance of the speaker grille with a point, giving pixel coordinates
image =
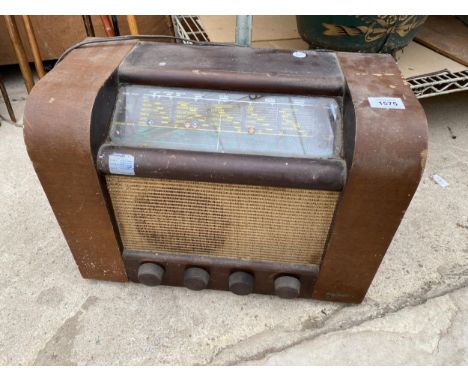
(224, 220)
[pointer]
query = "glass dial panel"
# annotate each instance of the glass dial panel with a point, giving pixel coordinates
(226, 122)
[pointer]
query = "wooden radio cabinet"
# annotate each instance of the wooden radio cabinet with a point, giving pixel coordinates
(228, 168)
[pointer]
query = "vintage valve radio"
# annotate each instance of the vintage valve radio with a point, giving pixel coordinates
(227, 168)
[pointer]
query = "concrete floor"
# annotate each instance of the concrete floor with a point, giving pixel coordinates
(416, 311)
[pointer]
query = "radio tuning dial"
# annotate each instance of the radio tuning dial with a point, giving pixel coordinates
(150, 274)
(196, 278)
(241, 283)
(287, 287)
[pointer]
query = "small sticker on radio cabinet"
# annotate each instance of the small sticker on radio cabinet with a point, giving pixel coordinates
(386, 103)
(121, 164)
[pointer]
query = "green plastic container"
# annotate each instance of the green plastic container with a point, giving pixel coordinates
(371, 34)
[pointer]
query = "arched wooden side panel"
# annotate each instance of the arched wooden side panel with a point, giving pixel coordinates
(57, 133)
(388, 160)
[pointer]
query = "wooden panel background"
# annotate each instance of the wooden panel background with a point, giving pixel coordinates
(446, 35)
(56, 33)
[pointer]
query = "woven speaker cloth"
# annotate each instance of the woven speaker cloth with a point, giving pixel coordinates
(277, 224)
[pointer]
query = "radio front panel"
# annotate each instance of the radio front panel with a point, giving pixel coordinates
(238, 220)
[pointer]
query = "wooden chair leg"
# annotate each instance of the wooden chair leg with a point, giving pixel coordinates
(107, 24)
(88, 26)
(132, 25)
(20, 53)
(115, 23)
(3, 90)
(34, 47)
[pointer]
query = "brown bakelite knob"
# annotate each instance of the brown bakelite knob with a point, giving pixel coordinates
(150, 274)
(287, 287)
(196, 278)
(241, 283)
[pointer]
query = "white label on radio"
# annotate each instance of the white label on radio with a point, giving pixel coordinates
(386, 103)
(122, 164)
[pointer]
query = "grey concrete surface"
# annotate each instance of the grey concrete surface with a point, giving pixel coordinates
(416, 311)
